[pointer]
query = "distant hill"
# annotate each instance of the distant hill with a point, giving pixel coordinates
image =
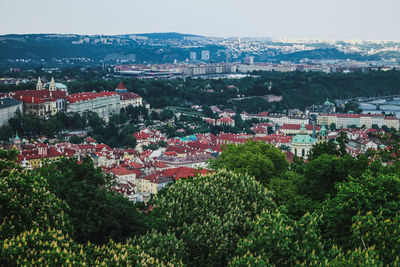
(30, 50)
(323, 53)
(167, 35)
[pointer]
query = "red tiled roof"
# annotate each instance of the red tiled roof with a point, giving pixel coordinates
(141, 135)
(121, 86)
(225, 120)
(121, 171)
(88, 96)
(135, 165)
(129, 95)
(34, 154)
(160, 165)
(297, 127)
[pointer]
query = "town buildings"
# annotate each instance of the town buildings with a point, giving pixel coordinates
(32, 157)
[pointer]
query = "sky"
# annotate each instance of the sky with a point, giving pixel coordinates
(310, 19)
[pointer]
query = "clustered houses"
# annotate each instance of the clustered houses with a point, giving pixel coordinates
(359, 120)
(146, 136)
(139, 172)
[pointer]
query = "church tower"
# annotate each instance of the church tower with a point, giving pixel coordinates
(52, 86)
(17, 142)
(323, 134)
(39, 85)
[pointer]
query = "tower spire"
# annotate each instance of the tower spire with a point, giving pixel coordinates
(52, 86)
(39, 85)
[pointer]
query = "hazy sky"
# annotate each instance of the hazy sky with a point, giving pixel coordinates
(328, 19)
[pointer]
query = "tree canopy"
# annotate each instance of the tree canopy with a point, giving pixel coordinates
(258, 159)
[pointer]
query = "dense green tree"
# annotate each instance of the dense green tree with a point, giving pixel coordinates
(319, 149)
(129, 141)
(154, 115)
(208, 112)
(208, 213)
(322, 173)
(342, 139)
(6, 132)
(93, 119)
(289, 190)
(26, 202)
(96, 213)
(75, 139)
(365, 213)
(55, 248)
(258, 159)
(277, 240)
(166, 114)
(48, 128)
(165, 247)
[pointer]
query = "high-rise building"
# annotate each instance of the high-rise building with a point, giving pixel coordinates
(193, 56)
(205, 55)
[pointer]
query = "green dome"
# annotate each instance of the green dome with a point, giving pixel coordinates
(327, 103)
(58, 85)
(61, 86)
(303, 139)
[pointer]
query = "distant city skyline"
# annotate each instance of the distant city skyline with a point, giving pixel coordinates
(293, 19)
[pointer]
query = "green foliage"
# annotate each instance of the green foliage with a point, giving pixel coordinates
(258, 159)
(323, 148)
(55, 248)
(6, 132)
(75, 139)
(342, 140)
(26, 202)
(322, 173)
(279, 241)
(208, 213)
(364, 213)
(289, 190)
(96, 213)
(355, 257)
(165, 247)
